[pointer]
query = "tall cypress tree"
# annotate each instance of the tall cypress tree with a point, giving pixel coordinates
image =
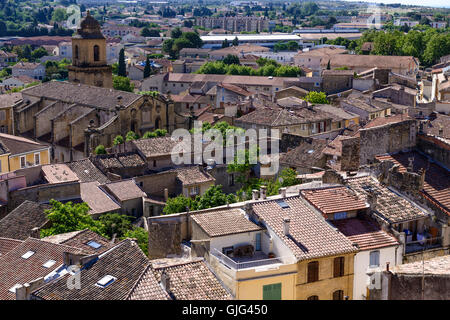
(147, 68)
(122, 70)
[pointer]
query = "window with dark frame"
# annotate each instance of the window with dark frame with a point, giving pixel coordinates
(313, 271)
(338, 295)
(339, 267)
(313, 298)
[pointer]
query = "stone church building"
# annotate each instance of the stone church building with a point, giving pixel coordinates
(76, 116)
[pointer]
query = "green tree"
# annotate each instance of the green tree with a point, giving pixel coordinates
(59, 15)
(225, 43)
(122, 83)
(176, 33)
(438, 46)
(316, 97)
(118, 140)
(147, 70)
(288, 177)
(141, 236)
(115, 224)
(149, 134)
(100, 149)
(235, 42)
(68, 217)
(161, 132)
(231, 59)
(213, 197)
(177, 204)
(146, 32)
(168, 47)
(131, 136)
(122, 70)
(38, 53)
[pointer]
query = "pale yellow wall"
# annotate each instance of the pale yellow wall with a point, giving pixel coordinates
(4, 162)
(253, 289)
(355, 121)
(14, 161)
(327, 284)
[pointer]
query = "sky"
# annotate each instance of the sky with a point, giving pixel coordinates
(429, 3)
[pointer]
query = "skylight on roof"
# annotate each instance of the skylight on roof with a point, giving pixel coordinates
(49, 263)
(28, 254)
(105, 281)
(283, 204)
(94, 244)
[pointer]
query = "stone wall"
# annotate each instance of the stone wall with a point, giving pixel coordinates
(350, 154)
(154, 184)
(435, 148)
(44, 193)
(388, 138)
(409, 287)
(164, 239)
(60, 127)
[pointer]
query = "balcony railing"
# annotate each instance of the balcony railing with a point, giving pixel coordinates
(232, 264)
(423, 245)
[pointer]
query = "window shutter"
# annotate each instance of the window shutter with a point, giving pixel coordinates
(339, 267)
(313, 271)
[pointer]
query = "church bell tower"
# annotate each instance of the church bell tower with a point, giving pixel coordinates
(89, 64)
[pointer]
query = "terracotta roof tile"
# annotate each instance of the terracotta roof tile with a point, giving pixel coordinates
(125, 261)
(437, 179)
(148, 288)
(86, 171)
(390, 206)
(80, 239)
(81, 94)
(125, 190)
(19, 222)
(192, 280)
(310, 236)
(97, 199)
(7, 244)
(16, 270)
(224, 222)
(365, 233)
(332, 200)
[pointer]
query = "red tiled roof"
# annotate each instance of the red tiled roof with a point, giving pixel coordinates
(224, 222)
(310, 236)
(16, 270)
(437, 179)
(365, 233)
(332, 200)
(387, 120)
(7, 244)
(192, 280)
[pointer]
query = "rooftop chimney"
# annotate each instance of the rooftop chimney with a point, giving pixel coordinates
(254, 194)
(283, 192)
(166, 194)
(441, 130)
(165, 281)
(262, 192)
(372, 199)
(24, 292)
(410, 164)
(286, 224)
